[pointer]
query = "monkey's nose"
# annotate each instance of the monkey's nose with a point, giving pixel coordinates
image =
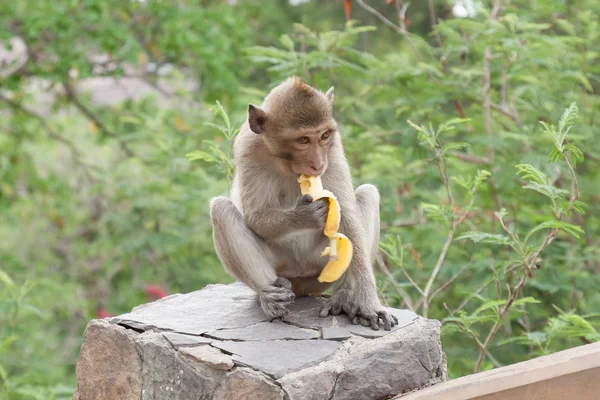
(316, 170)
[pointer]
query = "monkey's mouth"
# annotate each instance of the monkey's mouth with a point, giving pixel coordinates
(309, 171)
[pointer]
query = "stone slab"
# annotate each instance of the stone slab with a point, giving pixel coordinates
(215, 306)
(275, 330)
(335, 333)
(180, 340)
(279, 357)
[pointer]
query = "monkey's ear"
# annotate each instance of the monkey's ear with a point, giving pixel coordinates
(256, 118)
(329, 95)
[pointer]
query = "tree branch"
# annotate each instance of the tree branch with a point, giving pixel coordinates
(70, 92)
(75, 153)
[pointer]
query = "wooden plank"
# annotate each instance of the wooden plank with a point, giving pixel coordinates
(570, 374)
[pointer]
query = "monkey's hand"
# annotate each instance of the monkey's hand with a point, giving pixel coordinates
(360, 309)
(274, 299)
(312, 214)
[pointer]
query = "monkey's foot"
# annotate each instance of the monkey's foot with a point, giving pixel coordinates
(276, 298)
(360, 311)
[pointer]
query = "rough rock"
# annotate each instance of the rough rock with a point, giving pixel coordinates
(167, 375)
(415, 352)
(246, 384)
(210, 356)
(217, 343)
(109, 365)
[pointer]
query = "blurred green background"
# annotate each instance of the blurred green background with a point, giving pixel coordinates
(101, 209)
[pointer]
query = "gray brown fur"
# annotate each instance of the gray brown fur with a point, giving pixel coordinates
(269, 236)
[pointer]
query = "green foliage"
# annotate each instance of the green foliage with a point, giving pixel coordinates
(484, 175)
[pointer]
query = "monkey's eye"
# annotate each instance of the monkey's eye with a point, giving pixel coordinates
(304, 140)
(326, 135)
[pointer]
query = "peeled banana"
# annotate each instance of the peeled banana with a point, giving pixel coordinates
(340, 247)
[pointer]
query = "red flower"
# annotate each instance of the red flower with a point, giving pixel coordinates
(154, 292)
(101, 312)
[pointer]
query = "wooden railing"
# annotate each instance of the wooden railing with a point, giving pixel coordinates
(571, 374)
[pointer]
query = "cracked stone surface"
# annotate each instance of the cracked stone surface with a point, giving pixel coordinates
(216, 343)
(214, 307)
(275, 330)
(179, 340)
(278, 357)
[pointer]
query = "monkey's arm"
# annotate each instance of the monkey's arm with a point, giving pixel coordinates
(273, 223)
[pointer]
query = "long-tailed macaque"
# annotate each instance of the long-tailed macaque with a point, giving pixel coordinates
(269, 236)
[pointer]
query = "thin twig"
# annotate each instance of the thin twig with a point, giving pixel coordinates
(379, 15)
(449, 281)
(496, 9)
(411, 280)
(401, 11)
(470, 158)
(401, 292)
(486, 101)
(433, 21)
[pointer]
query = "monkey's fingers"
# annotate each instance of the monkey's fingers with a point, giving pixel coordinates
(305, 200)
(351, 311)
(283, 283)
(375, 322)
(278, 294)
(325, 309)
(389, 320)
(336, 309)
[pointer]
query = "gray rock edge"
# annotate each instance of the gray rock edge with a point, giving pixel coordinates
(335, 361)
(325, 374)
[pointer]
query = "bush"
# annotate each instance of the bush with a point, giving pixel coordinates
(478, 131)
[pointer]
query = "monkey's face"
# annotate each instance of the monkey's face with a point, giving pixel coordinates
(303, 151)
(297, 125)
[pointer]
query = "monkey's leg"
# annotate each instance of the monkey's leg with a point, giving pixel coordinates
(367, 199)
(248, 258)
(356, 293)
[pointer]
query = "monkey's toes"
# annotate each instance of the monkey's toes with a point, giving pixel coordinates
(282, 282)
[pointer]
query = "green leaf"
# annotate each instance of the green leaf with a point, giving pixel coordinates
(6, 279)
(200, 155)
(489, 304)
(482, 237)
(525, 300)
(287, 42)
(574, 230)
(501, 214)
(3, 374)
(532, 174)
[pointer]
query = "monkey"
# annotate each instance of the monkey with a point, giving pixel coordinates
(269, 236)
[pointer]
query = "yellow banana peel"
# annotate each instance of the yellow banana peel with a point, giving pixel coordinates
(340, 247)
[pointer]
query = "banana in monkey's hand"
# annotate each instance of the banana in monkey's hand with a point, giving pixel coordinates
(340, 247)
